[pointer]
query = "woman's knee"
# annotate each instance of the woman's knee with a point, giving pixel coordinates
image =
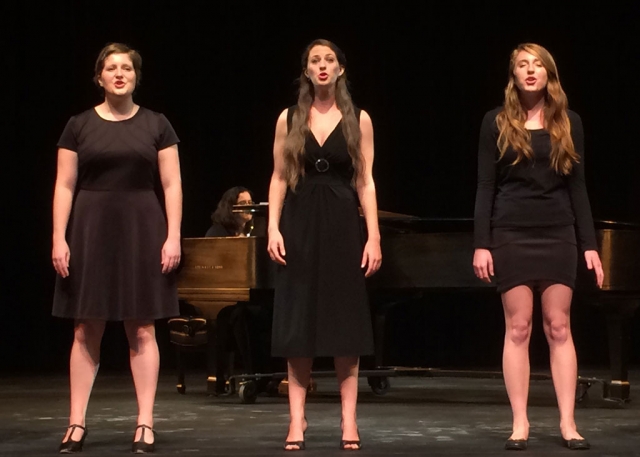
(557, 330)
(519, 331)
(88, 332)
(140, 333)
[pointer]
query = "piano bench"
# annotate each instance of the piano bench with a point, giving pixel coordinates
(188, 334)
(188, 331)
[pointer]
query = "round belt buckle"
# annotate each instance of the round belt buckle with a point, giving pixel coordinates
(322, 165)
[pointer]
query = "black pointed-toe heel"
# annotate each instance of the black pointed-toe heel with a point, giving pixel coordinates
(140, 447)
(516, 445)
(70, 446)
(577, 445)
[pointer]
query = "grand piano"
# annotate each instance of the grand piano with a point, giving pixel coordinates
(421, 256)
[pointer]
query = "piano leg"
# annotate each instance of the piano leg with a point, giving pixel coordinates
(215, 372)
(243, 339)
(379, 325)
(181, 387)
(619, 313)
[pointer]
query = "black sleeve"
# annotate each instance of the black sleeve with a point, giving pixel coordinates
(166, 135)
(486, 182)
(217, 230)
(578, 190)
(68, 139)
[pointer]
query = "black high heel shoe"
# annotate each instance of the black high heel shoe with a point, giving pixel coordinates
(140, 447)
(345, 443)
(70, 446)
(300, 444)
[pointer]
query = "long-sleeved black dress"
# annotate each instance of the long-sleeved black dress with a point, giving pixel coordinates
(527, 214)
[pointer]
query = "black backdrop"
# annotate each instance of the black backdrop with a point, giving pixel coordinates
(222, 71)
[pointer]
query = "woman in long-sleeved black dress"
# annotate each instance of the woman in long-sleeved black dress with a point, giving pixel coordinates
(532, 216)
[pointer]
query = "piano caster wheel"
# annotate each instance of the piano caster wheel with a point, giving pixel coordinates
(248, 392)
(272, 388)
(582, 392)
(379, 384)
(181, 388)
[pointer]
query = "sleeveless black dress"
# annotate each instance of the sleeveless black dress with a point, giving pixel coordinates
(321, 305)
(117, 225)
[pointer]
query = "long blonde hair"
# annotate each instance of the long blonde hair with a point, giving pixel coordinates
(294, 145)
(511, 119)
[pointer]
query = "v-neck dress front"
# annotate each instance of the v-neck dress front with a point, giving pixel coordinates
(321, 304)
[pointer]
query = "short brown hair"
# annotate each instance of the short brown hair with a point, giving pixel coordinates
(118, 48)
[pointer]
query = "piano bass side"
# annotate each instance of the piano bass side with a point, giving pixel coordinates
(218, 272)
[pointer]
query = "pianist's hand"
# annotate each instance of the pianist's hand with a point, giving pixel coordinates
(593, 263)
(170, 255)
(483, 264)
(276, 247)
(60, 256)
(371, 257)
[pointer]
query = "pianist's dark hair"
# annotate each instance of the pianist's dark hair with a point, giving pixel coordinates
(294, 144)
(223, 214)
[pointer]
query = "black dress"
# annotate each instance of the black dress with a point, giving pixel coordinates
(321, 306)
(117, 225)
(218, 230)
(529, 216)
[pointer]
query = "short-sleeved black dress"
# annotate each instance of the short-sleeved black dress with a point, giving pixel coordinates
(117, 225)
(321, 305)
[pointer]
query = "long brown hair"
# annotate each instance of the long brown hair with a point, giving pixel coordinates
(294, 145)
(511, 119)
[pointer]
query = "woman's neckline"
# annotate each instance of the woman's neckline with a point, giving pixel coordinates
(137, 109)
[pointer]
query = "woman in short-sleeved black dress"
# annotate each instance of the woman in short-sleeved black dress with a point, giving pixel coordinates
(323, 156)
(530, 205)
(114, 249)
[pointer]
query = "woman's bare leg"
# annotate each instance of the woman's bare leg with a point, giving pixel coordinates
(83, 367)
(299, 372)
(556, 306)
(518, 311)
(347, 373)
(145, 364)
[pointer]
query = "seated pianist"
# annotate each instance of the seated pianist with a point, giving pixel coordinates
(227, 223)
(245, 327)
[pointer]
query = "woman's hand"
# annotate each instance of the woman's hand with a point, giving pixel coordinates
(275, 247)
(593, 263)
(60, 256)
(170, 255)
(371, 257)
(483, 264)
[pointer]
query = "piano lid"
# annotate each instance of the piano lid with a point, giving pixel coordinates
(405, 223)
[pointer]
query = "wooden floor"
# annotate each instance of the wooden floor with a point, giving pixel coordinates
(417, 417)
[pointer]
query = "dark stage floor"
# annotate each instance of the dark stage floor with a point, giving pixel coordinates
(435, 417)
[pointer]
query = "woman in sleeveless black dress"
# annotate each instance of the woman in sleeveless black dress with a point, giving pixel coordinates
(530, 203)
(113, 249)
(323, 157)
